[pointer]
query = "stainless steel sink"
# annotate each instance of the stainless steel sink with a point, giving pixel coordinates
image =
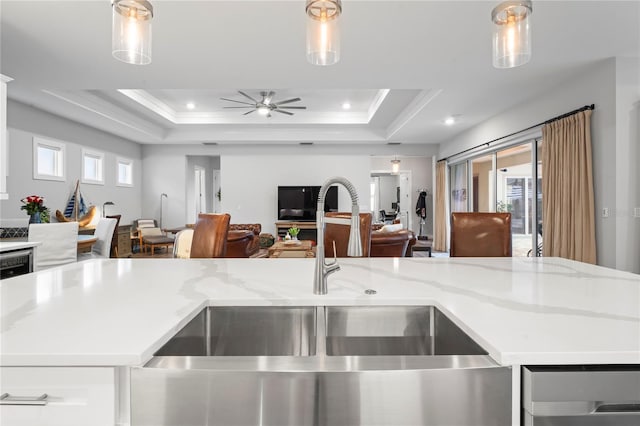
(321, 366)
(394, 330)
(246, 331)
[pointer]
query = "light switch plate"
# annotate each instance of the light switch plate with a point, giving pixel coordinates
(605, 212)
(636, 212)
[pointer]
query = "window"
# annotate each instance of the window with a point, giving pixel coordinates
(92, 167)
(48, 159)
(124, 172)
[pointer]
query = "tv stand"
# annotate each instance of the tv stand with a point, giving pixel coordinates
(307, 229)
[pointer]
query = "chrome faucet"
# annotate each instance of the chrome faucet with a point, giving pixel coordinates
(354, 248)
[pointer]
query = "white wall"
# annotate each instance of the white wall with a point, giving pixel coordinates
(627, 164)
(24, 122)
(250, 183)
(164, 173)
(595, 85)
(165, 169)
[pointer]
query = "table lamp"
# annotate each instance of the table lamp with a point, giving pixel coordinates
(108, 203)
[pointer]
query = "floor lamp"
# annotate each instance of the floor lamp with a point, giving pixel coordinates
(161, 196)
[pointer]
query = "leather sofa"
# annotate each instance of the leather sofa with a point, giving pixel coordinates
(392, 244)
(243, 240)
(340, 234)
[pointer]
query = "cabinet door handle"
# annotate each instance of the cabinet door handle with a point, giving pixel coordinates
(8, 399)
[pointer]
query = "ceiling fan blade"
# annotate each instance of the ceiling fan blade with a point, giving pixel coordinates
(249, 112)
(283, 112)
(240, 107)
(269, 97)
(292, 107)
(240, 102)
(247, 96)
(287, 101)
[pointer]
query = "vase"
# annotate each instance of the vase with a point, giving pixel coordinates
(35, 218)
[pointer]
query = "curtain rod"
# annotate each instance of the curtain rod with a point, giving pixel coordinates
(551, 120)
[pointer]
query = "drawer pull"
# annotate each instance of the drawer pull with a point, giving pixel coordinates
(7, 399)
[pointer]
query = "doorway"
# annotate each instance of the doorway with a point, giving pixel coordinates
(200, 190)
(391, 194)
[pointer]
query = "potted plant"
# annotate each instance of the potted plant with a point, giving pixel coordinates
(294, 233)
(34, 205)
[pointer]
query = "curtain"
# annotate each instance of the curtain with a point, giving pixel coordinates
(567, 187)
(440, 216)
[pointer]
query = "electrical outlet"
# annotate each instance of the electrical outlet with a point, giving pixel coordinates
(605, 212)
(636, 212)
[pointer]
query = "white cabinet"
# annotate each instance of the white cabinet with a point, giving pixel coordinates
(4, 162)
(75, 396)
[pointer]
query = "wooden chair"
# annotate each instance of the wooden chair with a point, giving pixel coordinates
(480, 235)
(150, 235)
(340, 234)
(114, 240)
(210, 235)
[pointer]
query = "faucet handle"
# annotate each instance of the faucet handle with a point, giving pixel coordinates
(335, 257)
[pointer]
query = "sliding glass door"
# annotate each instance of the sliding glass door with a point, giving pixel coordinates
(458, 184)
(515, 190)
(504, 179)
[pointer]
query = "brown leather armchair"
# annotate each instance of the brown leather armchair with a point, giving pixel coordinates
(210, 235)
(392, 244)
(340, 234)
(241, 243)
(480, 235)
(243, 239)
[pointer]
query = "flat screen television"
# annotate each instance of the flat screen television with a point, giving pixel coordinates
(299, 203)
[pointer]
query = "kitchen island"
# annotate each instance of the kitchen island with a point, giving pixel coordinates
(116, 313)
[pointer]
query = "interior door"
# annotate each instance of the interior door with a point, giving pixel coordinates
(404, 207)
(200, 194)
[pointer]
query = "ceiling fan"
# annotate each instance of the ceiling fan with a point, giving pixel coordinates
(266, 105)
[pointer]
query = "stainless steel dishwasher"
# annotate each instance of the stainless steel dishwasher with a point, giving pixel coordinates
(584, 395)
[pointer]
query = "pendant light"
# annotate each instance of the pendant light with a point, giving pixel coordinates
(323, 33)
(511, 33)
(395, 165)
(131, 31)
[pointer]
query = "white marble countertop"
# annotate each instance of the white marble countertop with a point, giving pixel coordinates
(16, 245)
(521, 310)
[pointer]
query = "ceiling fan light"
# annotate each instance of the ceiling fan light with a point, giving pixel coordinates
(512, 33)
(263, 110)
(323, 31)
(131, 31)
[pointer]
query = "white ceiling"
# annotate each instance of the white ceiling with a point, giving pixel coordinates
(430, 59)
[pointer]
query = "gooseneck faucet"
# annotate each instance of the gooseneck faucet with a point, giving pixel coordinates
(354, 248)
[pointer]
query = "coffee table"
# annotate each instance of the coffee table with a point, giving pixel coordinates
(281, 249)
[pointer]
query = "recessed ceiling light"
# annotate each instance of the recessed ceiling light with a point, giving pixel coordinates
(450, 121)
(346, 105)
(191, 105)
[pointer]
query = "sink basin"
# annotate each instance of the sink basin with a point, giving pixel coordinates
(246, 331)
(394, 330)
(321, 366)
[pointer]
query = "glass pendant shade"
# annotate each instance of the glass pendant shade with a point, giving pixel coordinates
(323, 31)
(395, 166)
(131, 31)
(511, 34)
